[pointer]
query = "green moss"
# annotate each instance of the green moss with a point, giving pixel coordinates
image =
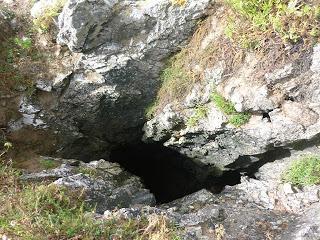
(304, 171)
(151, 109)
(235, 118)
(200, 113)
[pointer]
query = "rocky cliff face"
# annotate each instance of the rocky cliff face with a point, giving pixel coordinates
(123, 46)
(282, 101)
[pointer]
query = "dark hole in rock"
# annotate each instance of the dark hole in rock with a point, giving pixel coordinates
(267, 116)
(168, 174)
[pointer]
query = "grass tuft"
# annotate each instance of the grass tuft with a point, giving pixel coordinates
(304, 171)
(235, 118)
(200, 113)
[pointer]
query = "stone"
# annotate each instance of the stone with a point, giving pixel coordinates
(106, 185)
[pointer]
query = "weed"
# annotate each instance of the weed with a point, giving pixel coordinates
(239, 119)
(24, 43)
(304, 171)
(176, 79)
(235, 118)
(224, 105)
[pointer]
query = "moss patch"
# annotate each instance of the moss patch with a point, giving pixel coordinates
(304, 171)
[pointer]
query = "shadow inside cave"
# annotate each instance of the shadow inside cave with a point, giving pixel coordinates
(168, 174)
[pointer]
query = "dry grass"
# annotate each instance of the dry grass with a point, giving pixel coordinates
(41, 211)
(275, 33)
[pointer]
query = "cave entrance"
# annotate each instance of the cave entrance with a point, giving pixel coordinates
(168, 174)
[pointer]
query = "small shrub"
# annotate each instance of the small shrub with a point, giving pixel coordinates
(235, 118)
(304, 171)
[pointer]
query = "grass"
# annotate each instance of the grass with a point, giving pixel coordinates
(235, 118)
(44, 22)
(291, 21)
(200, 113)
(304, 171)
(40, 211)
(176, 79)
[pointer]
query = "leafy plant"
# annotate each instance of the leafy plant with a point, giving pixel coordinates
(24, 43)
(304, 171)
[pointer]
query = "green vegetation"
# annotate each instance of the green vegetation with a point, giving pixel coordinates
(176, 80)
(92, 172)
(24, 43)
(200, 113)
(44, 22)
(304, 171)
(48, 164)
(289, 20)
(235, 118)
(38, 211)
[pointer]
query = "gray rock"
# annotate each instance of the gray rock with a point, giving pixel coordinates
(106, 185)
(123, 47)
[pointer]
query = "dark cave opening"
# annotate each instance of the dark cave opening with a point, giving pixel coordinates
(168, 174)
